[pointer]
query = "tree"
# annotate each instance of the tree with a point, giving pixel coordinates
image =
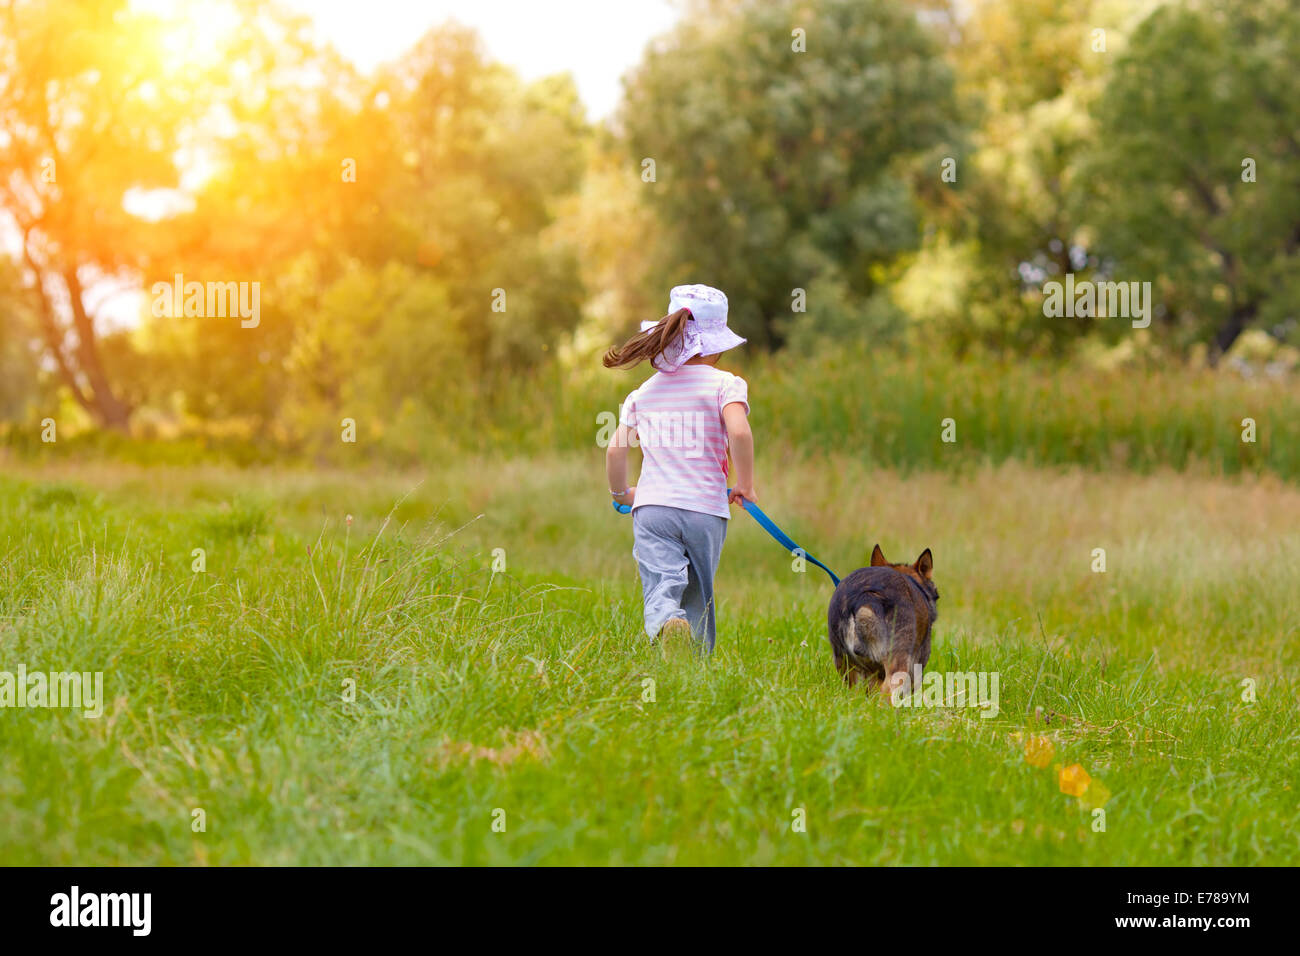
(379, 216)
(269, 206)
(86, 116)
(1195, 171)
(1028, 72)
(485, 160)
(776, 169)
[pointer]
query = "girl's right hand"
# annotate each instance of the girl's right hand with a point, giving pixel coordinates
(746, 492)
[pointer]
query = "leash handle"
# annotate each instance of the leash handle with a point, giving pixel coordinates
(764, 522)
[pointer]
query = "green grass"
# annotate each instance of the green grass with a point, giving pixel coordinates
(524, 691)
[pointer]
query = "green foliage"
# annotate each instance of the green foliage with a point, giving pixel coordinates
(1008, 223)
(379, 217)
(836, 315)
(483, 159)
(89, 112)
(1205, 88)
(776, 168)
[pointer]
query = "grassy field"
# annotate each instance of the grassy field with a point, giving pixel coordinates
(523, 695)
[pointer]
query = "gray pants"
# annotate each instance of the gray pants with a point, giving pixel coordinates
(677, 552)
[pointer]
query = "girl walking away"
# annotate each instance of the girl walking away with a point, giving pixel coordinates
(688, 419)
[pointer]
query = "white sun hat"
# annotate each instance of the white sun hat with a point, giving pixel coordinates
(706, 331)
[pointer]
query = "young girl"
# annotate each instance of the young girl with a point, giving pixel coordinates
(686, 419)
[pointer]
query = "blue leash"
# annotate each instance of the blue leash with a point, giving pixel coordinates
(767, 524)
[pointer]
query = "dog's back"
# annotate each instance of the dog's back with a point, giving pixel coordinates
(880, 618)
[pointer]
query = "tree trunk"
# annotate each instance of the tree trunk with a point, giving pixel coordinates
(111, 411)
(100, 401)
(1231, 328)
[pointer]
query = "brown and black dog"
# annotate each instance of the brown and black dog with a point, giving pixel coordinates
(880, 620)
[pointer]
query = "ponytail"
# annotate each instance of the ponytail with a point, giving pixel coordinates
(649, 344)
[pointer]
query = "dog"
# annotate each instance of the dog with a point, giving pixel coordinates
(879, 622)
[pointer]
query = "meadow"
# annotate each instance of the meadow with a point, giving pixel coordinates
(347, 565)
(518, 715)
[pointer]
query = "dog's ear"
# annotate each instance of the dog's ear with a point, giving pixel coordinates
(878, 558)
(925, 563)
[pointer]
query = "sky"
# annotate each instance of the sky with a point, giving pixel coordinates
(595, 40)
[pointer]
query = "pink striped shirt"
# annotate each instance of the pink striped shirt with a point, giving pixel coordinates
(677, 418)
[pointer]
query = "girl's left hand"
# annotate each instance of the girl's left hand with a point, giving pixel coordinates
(740, 493)
(628, 497)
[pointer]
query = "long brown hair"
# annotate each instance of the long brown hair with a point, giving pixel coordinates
(649, 344)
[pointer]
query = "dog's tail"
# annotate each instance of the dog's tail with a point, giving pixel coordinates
(865, 633)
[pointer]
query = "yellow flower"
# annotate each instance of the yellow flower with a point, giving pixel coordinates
(1038, 752)
(1074, 780)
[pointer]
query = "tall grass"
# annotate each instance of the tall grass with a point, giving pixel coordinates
(890, 411)
(878, 407)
